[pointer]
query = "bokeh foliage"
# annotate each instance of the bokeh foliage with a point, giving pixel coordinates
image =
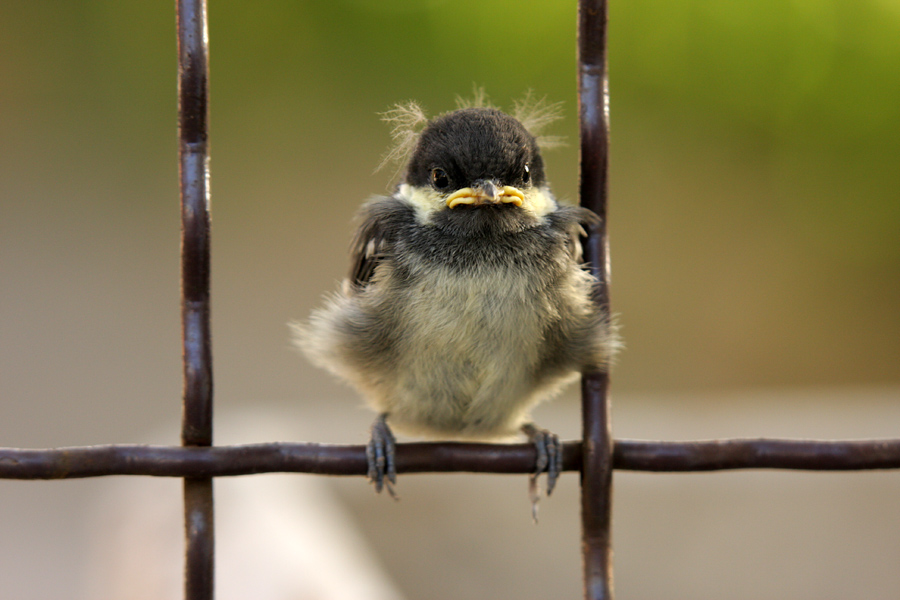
(755, 207)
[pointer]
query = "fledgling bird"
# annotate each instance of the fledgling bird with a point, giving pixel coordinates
(467, 302)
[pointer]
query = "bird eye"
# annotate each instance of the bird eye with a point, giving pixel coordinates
(526, 176)
(440, 179)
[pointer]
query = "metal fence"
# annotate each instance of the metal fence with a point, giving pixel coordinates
(595, 456)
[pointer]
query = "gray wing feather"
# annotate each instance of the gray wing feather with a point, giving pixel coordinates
(369, 249)
(582, 221)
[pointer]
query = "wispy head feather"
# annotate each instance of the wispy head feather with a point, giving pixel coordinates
(479, 99)
(537, 113)
(406, 121)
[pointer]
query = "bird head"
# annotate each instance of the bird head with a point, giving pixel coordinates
(473, 162)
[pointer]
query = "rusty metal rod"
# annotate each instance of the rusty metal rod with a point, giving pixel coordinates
(719, 455)
(193, 151)
(195, 255)
(596, 474)
(175, 461)
(322, 459)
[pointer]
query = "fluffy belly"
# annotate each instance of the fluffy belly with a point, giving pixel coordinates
(467, 362)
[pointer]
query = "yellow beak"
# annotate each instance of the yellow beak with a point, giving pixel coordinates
(504, 195)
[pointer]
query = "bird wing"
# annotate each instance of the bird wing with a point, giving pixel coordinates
(573, 244)
(369, 249)
(582, 221)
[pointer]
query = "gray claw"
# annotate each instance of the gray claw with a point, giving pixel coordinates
(549, 459)
(380, 453)
(554, 466)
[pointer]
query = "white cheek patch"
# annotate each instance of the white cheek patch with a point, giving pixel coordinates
(425, 201)
(538, 201)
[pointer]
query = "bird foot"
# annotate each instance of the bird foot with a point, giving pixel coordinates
(549, 459)
(380, 453)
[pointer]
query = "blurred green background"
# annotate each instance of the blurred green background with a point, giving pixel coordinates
(755, 172)
(754, 209)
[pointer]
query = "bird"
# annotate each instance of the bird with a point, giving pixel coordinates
(467, 301)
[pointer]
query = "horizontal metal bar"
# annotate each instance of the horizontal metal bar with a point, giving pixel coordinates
(219, 461)
(322, 459)
(720, 455)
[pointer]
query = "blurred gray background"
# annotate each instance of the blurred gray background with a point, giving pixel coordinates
(754, 220)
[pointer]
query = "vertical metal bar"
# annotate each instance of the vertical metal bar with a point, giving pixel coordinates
(193, 70)
(596, 474)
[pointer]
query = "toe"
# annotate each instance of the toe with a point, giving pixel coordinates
(549, 456)
(554, 462)
(380, 456)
